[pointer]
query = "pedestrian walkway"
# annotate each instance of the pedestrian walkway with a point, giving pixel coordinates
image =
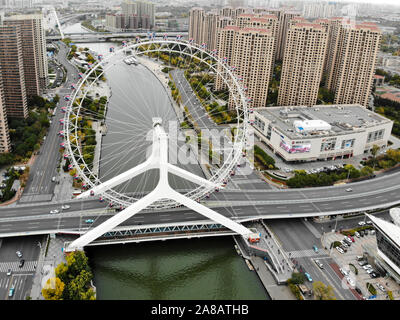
(14, 266)
(47, 263)
(308, 253)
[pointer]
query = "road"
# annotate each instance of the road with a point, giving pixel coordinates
(298, 238)
(239, 205)
(39, 186)
(20, 278)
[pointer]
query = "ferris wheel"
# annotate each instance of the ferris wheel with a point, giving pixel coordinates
(172, 81)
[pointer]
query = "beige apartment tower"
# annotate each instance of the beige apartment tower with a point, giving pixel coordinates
(350, 70)
(12, 71)
(225, 46)
(29, 54)
(196, 19)
(302, 64)
(253, 56)
(32, 26)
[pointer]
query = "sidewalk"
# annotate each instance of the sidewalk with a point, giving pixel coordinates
(46, 264)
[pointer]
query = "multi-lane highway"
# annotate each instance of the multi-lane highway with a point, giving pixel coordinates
(239, 205)
(40, 186)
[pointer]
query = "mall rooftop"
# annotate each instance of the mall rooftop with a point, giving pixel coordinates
(320, 120)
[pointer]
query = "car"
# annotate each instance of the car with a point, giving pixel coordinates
(381, 287)
(369, 222)
(361, 223)
(11, 292)
(359, 258)
(53, 179)
(9, 272)
(362, 263)
(357, 234)
(349, 190)
(344, 244)
(374, 275)
(343, 272)
(319, 264)
(54, 211)
(21, 263)
(347, 241)
(361, 233)
(343, 248)
(369, 271)
(340, 250)
(308, 276)
(351, 239)
(315, 248)
(372, 232)
(65, 207)
(350, 281)
(89, 220)
(358, 290)
(366, 232)
(19, 254)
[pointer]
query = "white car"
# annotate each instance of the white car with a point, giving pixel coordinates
(340, 250)
(350, 281)
(344, 272)
(381, 287)
(349, 190)
(357, 234)
(361, 223)
(19, 254)
(319, 264)
(54, 211)
(65, 207)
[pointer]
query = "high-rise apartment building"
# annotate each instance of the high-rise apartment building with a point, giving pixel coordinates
(284, 24)
(29, 54)
(196, 24)
(139, 8)
(12, 71)
(210, 29)
(253, 56)
(34, 49)
(225, 47)
(5, 144)
(302, 64)
(351, 66)
(251, 52)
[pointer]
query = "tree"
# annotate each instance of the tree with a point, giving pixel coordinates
(366, 171)
(323, 292)
(53, 289)
(297, 278)
(374, 152)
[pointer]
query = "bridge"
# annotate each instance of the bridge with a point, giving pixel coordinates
(239, 205)
(104, 36)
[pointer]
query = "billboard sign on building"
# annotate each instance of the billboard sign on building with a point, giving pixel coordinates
(295, 148)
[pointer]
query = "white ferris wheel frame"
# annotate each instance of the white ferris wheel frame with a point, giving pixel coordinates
(220, 68)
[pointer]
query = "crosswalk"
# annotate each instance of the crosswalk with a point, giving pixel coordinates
(14, 266)
(307, 253)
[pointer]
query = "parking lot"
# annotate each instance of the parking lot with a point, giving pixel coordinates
(359, 276)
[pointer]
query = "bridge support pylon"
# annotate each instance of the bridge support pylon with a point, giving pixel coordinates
(157, 160)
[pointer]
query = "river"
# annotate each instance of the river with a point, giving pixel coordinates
(197, 269)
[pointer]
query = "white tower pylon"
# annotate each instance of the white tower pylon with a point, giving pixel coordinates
(158, 159)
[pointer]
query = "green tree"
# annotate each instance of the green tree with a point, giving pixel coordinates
(323, 292)
(366, 171)
(53, 289)
(374, 152)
